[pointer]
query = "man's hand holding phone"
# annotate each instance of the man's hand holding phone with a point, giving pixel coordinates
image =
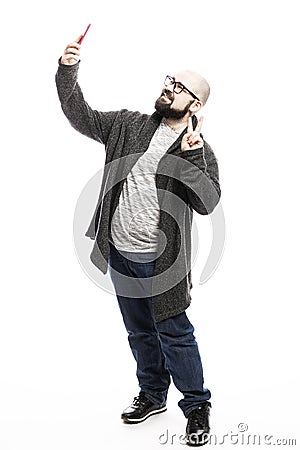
(71, 54)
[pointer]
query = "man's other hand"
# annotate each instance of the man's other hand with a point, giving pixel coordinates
(192, 139)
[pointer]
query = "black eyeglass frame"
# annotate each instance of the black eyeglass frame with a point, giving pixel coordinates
(171, 80)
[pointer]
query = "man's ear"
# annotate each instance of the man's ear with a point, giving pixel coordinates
(195, 106)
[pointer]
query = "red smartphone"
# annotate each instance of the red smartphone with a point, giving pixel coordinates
(83, 36)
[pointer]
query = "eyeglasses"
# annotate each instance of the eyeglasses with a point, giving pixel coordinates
(178, 87)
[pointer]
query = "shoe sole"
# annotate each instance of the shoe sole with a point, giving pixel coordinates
(198, 443)
(142, 419)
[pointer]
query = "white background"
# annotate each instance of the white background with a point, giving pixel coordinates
(66, 368)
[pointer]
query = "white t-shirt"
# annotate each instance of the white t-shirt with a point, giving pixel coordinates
(134, 226)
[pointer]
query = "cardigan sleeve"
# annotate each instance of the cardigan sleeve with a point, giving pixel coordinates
(93, 124)
(199, 173)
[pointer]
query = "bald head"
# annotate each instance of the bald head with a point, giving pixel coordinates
(195, 83)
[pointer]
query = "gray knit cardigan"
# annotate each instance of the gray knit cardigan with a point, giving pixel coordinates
(185, 181)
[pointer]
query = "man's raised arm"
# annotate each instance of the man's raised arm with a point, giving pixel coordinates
(93, 124)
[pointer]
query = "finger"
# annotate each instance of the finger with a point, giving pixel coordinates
(199, 124)
(71, 58)
(78, 39)
(194, 135)
(74, 45)
(72, 51)
(195, 141)
(189, 135)
(71, 62)
(197, 144)
(194, 138)
(190, 125)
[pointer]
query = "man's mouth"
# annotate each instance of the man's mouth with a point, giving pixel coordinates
(166, 98)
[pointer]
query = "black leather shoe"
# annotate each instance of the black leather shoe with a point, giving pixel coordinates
(197, 429)
(141, 408)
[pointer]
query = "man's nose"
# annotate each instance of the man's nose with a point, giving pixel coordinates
(168, 90)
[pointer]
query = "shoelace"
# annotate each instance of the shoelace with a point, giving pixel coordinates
(140, 400)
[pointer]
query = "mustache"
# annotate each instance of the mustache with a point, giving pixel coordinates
(167, 94)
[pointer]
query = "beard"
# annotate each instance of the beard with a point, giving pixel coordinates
(166, 110)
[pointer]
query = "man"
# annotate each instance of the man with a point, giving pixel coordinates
(158, 169)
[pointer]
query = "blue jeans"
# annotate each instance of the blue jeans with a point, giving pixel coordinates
(161, 349)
